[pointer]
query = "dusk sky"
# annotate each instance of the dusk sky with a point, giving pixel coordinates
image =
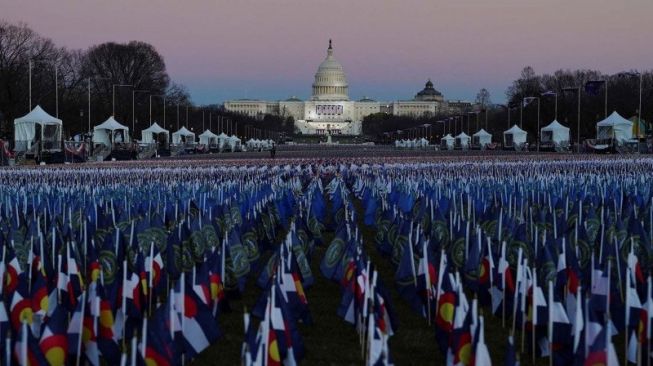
(270, 49)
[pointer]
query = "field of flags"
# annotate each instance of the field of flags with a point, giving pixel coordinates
(548, 259)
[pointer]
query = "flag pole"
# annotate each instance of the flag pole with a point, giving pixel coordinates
(550, 325)
(606, 96)
(639, 110)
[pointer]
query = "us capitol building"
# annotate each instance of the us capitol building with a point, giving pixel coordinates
(329, 111)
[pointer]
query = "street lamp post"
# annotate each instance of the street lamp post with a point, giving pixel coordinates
(89, 98)
(113, 100)
(134, 108)
(605, 83)
(639, 108)
(477, 123)
(164, 107)
(187, 115)
(509, 108)
(444, 126)
(56, 85)
(548, 94)
(577, 90)
(537, 139)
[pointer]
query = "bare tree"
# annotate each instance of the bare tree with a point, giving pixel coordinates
(18, 45)
(137, 64)
(483, 98)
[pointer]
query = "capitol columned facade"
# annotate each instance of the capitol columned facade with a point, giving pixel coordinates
(329, 110)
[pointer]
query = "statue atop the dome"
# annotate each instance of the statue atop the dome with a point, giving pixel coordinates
(330, 44)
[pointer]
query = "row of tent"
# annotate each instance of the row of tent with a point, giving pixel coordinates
(614, 127)
(39, 126)
(554, 133)
(183, 135)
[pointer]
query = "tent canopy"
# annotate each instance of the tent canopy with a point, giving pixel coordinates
(514, 130)
(482, 137)
(38, 116)
(514, 135)
(555, 132)
(25, 128)
(483, 133)
(184, 134)
(147, 135)
(614, 127)
(111, 124)
(462, 136)
(555, 126)
(110, 131)
(207, 138)
(447, 141)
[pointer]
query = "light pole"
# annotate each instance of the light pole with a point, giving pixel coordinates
(577, 90)
(444, 126)
(548, 94)
(605, 83)
(639, 109)
(164, 107)
(56, 85)
(477, 124)
(89, 98)
(537, 139)
(509, 107)
(113, 101)
(134, 107)
(186, 115)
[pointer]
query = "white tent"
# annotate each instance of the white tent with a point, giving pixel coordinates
(234, 143)
(208, 138)
(462, 140)
(447, 142)
(554, 132)
(423, 142)
(223, 140)
(109, 132)
(515, 136)
(149, 134)
(183, 136)
(38, 120)
(481, 138)
(614, 127)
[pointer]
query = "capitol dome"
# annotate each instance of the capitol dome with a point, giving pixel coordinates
(330, 80)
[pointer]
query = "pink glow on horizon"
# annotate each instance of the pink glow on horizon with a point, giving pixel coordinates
(462, 45)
